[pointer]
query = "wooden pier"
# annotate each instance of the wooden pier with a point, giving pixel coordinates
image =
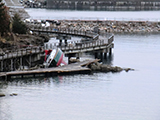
(74, 68)
(75, 48)
(18, 58)
(14, 60)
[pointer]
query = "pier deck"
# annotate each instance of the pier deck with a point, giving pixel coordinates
(74, 68)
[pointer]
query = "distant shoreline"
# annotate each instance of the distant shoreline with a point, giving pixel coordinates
(110, 26)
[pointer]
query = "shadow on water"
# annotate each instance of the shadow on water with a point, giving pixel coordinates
(41, 81)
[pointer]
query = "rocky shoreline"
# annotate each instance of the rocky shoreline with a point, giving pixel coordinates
(113, 26)
(104, 26)
(97, 67)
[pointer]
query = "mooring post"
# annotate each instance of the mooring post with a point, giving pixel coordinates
(96, 55)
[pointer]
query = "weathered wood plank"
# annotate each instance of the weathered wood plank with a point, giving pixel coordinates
(66, 69)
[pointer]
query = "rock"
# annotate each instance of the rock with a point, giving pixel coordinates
(128, 69)
(71, 60)
(13, 94)
(98, 65)
(2, 95)
(93, 67)
(116, 69)
(118, 26)
(107, 68)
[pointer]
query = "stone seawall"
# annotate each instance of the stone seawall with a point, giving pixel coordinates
(113, 26)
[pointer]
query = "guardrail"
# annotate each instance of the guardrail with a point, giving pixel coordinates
(74, 46)
(77, 46)
(64, 31)
(20, 52)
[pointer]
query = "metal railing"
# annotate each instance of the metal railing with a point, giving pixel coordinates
(64, 31)
(21, 52)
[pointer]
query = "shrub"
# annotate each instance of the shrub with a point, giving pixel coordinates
(18, 26)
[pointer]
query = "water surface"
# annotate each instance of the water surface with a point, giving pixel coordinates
(130, 95)
(93, 15)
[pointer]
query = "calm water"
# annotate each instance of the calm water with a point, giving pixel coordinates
(130, 95)
(94, 15)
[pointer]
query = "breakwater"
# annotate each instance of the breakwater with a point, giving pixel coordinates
(112, 26)
(103, 26)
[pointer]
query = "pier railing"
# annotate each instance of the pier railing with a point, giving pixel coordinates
(77, 46)
(59, 30)
(13, 59)
(74, 46)
(20, 52)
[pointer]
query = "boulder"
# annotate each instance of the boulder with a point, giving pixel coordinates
(107, 68)
(2, 95)
(71, 60)
(13, 94)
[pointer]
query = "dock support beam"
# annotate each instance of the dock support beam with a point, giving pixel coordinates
(65, 42)
(105, 55)
(96, 55)
(60, 42)
(101, 55)
(110, 51)
(69, 59)
(2, 65)
(11, 65)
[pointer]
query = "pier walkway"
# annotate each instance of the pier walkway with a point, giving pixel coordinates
(74, 68)
(17, 59)
(76, 47)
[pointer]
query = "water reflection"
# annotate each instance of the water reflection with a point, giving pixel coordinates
(108, 60)
(42, 81)
(133, 95)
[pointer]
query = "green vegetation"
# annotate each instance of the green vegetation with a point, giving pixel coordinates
(18, 26)
(4, 19)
